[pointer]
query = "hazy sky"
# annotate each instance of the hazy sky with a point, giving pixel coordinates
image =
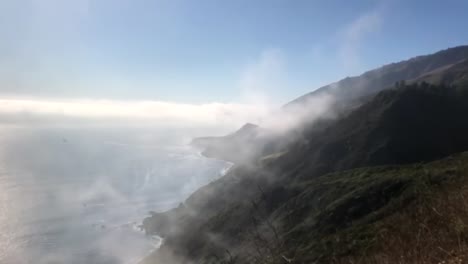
(205, 51)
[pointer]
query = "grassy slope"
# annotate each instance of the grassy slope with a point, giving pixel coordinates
(397, 214)
(391, 214)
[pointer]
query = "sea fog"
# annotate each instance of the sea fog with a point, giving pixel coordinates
(76, 194)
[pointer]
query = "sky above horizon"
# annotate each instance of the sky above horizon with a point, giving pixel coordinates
(207, 51)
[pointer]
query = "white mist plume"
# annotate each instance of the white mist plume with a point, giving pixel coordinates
(261, 77)
(294, 115)
(260, 82)
(352, 37)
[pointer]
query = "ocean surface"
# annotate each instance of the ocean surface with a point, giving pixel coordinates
(78, 195)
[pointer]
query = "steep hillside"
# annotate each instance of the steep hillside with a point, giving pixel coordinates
(410, 124)
(447, 67)
(288, 206)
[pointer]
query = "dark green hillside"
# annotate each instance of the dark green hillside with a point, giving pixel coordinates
(410, 124)
(300, 205)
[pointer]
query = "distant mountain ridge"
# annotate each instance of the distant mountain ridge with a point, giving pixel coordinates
(384, 77)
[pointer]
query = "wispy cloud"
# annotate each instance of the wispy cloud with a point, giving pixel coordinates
(353, 36)
(263, 80)
(262, 76)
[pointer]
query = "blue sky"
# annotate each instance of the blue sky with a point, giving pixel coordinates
(203, 51)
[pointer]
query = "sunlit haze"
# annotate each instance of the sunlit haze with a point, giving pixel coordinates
(204, 52)
(233, 131)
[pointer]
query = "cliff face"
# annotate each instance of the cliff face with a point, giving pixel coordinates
(341, 190)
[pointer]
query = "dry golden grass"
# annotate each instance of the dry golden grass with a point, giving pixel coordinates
(432, 230)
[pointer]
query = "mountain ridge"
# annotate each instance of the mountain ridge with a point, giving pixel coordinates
(387, 75)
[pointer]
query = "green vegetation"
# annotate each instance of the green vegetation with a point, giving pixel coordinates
(399, 214)
(390, 214)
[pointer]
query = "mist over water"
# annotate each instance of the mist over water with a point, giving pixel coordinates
(77, 195)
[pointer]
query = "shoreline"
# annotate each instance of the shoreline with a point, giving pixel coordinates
(199, 152)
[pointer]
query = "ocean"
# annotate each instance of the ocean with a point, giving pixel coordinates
(78, 195)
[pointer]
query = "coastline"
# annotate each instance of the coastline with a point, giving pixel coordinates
(157, 245)
(201, 153)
